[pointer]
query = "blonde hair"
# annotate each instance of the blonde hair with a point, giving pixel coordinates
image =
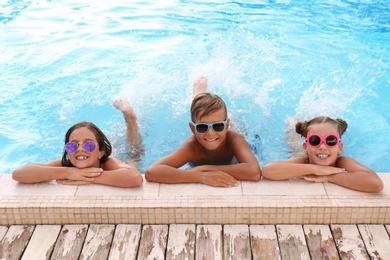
(303, 127)
(206, 103)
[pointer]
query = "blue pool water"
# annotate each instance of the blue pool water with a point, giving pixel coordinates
(62, 62)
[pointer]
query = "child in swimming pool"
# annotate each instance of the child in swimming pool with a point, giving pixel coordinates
(323, 162)
(219, 156)
(85, 160)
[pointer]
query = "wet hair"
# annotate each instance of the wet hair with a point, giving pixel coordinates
(206, 103)
(302, 128)
(104, 144)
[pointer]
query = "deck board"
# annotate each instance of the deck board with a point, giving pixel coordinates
(236, 242)
(320, 242)
(190, 241)
(70, 242)
(292, 242)
(15, 241)
(377, 241)
(349, 242)
(181, 242)
(42, 242)
(153, 242)
(208, 242)
(264, 242)
(3, 230)
(98, 241)
(125, 243)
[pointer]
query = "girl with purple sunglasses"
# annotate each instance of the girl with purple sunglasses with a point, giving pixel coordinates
(85, 160)
(323, 161)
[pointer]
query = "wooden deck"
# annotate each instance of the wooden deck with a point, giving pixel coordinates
(190, 241)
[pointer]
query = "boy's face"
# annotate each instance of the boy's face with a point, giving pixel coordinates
(211, 140)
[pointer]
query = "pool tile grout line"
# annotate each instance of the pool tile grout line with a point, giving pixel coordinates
(18, 205)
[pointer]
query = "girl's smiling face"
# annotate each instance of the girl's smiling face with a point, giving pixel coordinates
(81, 158)
(323, 155)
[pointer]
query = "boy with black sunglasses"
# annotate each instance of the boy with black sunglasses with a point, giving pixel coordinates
(218, 155)
(322, 161)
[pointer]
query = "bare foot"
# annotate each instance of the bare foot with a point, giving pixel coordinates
(134, 141)
(200, 85)
(125, 107)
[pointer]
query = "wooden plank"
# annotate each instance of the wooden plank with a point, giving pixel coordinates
(98, 241)
(42, 242)
(320, 242)
(153, 242)
(292, 242)
(264, 242)
(377, 241)
(125, 243)
(3, 230)
(70, 242)
(208, 243)
(181, 242)
(15, 241)
(349, 242)
(236, 244)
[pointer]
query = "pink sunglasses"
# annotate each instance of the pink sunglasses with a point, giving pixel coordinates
(316, 140)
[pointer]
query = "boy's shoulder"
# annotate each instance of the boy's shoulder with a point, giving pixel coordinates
(232, 134)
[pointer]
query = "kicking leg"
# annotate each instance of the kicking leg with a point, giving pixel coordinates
(200, 85)
(293, 139)
(133, 136)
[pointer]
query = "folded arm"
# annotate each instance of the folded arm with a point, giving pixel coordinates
(247, 167)
(356, 176)
(113, 172)
(166, 170)
(347, 173)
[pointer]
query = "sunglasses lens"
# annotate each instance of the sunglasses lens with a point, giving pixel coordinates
(314, 140)
(89, 146)
(71, 147)
(202, 128)
(218, 127)
(331, 140)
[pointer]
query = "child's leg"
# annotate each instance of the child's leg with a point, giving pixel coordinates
(293, 139)
(200, 85)
(133, 136)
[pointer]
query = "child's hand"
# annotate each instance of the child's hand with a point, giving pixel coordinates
(327, 170)
(315, 178)
(71, 182)
(85, 175)
(219, 179)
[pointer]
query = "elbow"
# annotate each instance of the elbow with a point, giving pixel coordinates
(377, 186)
(374, 185)
(137, 181)
(255, 173)
(149, 174)
(266, 171)
(269, 172)
(17, 175)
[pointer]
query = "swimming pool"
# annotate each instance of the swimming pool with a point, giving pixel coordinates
(64, 62)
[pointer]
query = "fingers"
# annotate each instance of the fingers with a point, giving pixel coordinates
(220, 179)
(87, 174)
(316, 178)
(71, 182)
(227, 184)
(91, 172)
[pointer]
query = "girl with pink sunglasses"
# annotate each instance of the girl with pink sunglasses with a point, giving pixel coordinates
(323, 160)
